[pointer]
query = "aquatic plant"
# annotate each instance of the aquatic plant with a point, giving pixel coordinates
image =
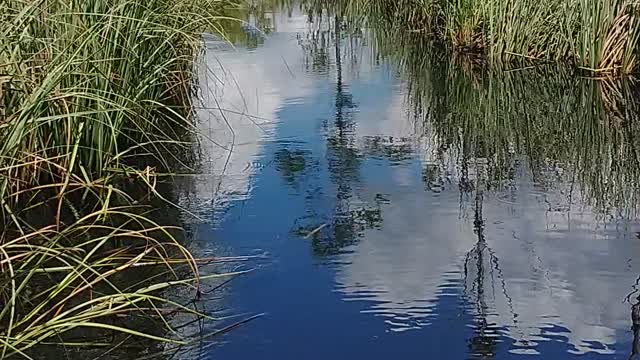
(90, 83)
(594, 35)
(600, 36)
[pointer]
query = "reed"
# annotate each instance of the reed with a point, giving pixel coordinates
(95, 101)
(594, 35)
(598, 36)
(91, 83)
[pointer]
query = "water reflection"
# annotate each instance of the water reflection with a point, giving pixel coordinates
(494, 211)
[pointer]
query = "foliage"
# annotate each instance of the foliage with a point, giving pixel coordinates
(595, 35)
(95, 100)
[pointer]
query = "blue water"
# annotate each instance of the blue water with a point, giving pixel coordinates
(371, 245)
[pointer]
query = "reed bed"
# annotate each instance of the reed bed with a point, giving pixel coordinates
(95, 102)
(594, 35)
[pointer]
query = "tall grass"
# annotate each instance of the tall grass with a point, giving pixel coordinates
(463, 23)
(95, 101)
(598, 36)
(86, 81)
(595, 35)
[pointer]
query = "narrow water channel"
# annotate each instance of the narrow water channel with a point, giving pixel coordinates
(408, 207)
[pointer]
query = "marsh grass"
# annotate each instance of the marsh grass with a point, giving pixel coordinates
(88, 83)
(598, 36)
(95, 103)
(593, 35)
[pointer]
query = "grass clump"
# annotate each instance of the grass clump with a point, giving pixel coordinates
(599, 36)
(87, 82)
(594, 35)
(95, 100)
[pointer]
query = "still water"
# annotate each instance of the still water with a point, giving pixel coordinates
(405, 206)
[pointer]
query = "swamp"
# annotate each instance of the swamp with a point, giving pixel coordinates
(312, 179)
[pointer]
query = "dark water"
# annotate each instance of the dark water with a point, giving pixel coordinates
(412, 207)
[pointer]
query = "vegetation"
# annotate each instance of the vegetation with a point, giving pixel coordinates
(95, 98)
(594, 35)
(95, 108)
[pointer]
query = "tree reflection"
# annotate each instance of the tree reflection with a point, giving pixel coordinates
(347, 217)
(635, 320)
(558, 124)
(343, 163)
(482, 345)
(396, 150)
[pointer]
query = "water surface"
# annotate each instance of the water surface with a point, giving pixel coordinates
(411, 206)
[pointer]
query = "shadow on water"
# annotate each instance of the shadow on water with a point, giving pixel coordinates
(583, 130)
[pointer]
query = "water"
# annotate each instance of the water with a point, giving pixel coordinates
(406, 208)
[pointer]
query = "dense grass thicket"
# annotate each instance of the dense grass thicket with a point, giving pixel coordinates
(94, 102)
(595, 35)
(89, 82)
